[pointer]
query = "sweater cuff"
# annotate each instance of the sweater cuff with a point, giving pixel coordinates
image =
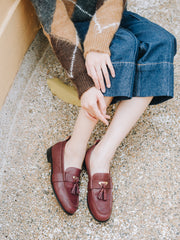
(98, 44)
(84, 83)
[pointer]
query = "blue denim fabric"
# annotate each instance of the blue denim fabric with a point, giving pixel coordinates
(142, 54)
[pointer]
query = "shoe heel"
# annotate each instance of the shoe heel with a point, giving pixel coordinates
(49, 155)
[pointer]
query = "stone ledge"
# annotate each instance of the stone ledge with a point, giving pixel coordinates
(17, 30)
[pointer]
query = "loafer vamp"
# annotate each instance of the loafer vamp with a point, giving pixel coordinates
(101, 210)
(66, 199)
(100, 196)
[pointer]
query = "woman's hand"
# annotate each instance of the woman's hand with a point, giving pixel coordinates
(97, 65)
(92, 101)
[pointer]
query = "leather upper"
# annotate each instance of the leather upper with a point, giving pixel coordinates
(65, 183)
(99, 192)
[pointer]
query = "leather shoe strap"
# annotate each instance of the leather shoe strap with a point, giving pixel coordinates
(97, 184)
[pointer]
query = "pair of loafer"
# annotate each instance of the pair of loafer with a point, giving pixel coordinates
(66, 184)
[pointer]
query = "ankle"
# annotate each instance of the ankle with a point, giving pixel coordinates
(75, 150)
(103, 152)
(99, 163)
(73, 156)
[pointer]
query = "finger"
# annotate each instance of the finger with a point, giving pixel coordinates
(106, 75)
(107, 116)
(101, 117)
(101, 104)
(103, 107)
(94, 77)
(110, 66)
(100, 78)
(88, 69)
(98, 114)
(88, 115)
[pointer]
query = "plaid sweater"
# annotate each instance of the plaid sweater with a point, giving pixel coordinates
(57, 18)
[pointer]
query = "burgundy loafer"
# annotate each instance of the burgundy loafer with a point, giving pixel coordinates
(99, 191)
(64, 183)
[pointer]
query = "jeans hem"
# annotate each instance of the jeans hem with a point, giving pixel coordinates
(142, 80)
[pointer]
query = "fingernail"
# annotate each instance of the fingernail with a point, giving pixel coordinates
(109, 86)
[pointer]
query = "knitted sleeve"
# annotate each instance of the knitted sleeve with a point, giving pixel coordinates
(62, 35)
(103, 26)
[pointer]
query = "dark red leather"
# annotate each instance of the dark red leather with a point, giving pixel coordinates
(99, 192)
(65, 183)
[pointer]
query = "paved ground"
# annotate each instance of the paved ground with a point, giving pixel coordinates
(144, 169)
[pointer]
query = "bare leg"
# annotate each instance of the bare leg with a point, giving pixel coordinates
(127, 114)
(76, 147)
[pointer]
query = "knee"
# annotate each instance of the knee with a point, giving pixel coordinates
(173, 42)
(123, 47)
(169, 41)
(131, 41)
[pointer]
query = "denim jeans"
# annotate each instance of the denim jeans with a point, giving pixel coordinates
(142, 55)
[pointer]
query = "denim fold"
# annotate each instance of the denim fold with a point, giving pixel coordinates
(142, 54)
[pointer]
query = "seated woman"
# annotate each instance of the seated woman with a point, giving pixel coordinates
(112, 55)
